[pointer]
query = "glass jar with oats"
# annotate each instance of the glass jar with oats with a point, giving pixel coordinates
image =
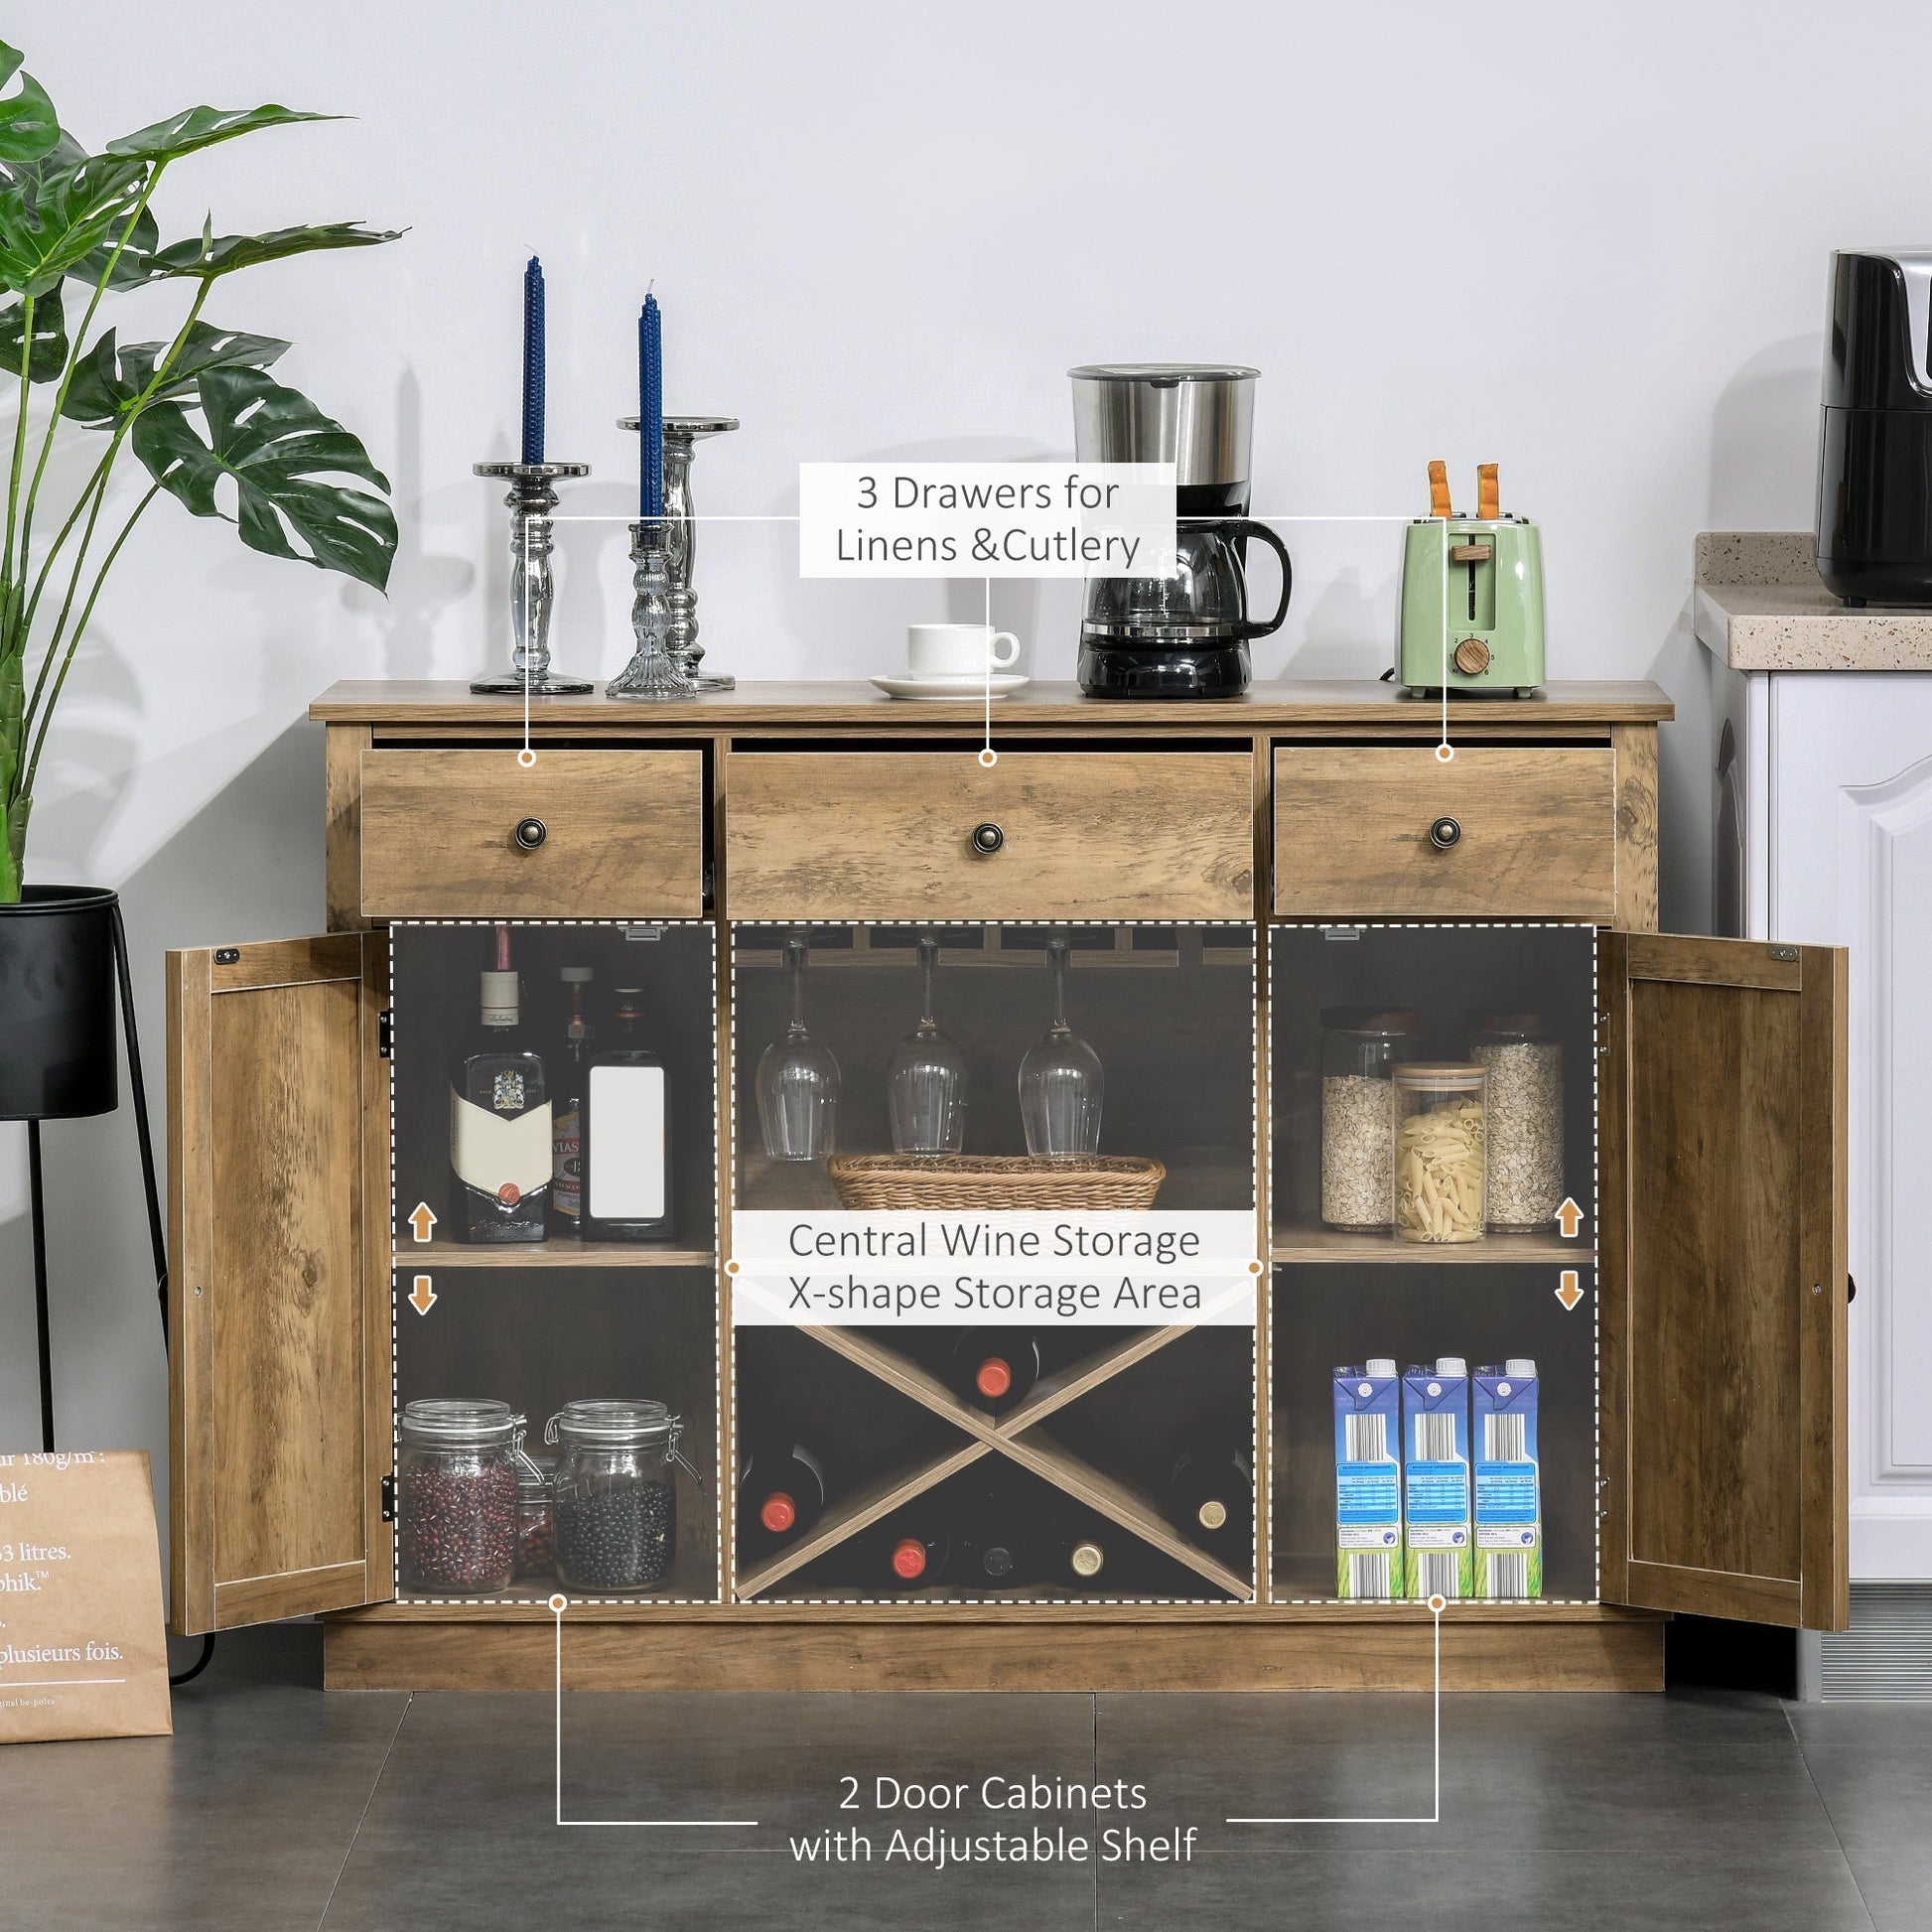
(1360, 1047)
(1525, 1117)
(1440, 1151)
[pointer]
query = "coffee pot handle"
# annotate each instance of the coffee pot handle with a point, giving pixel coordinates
(1243, 526)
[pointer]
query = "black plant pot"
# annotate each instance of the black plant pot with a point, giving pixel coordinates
(58, 1047)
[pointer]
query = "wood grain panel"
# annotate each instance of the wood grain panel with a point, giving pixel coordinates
(900, 1654)
(266, 1189)
(759, 703)
(341, 764)
(624, 835)
(1635, 750)
(1538, 832)
(1097, 835)
(1723, 1280)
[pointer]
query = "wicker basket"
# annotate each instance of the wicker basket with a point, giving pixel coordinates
(940, 1183)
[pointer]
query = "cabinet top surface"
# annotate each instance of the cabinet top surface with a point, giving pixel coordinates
(1760, 605)
(1285, 703)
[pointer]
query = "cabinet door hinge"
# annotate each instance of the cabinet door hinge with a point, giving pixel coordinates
(385, 1033)
(389, 1498)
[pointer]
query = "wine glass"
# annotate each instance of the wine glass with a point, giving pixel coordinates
(1061, 1084)
(925, 1081)
(798, 1080)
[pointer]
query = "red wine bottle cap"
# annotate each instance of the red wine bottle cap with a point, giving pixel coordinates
(778, 1512)
(909, 1559)
(992, 1378)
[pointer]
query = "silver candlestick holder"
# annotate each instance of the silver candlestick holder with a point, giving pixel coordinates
(681, 435)
(653, 672)
(532, 589)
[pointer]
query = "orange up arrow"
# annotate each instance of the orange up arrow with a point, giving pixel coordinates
(1568, 1292)
(1570, 1218)
(422, 1297)
(421, 1220)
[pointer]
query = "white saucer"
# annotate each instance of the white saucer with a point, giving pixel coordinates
(998, 685)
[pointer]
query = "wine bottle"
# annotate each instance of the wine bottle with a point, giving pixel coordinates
(994, 1368)
(1079, 1544)
(628, 1134)
(780, 1496)
(1210, 1500)
(999, 1546)
(500, 1118)
(567, 1123)
(917, 1551)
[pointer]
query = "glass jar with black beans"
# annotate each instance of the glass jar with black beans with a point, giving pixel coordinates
(614, 1503)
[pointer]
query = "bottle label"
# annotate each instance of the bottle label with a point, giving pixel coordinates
(567, 1162)
(490, 1151)
(624, 1171)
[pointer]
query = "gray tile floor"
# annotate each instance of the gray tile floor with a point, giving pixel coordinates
(276, 1807)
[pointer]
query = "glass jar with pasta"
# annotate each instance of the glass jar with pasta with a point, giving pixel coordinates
(1442, 1150)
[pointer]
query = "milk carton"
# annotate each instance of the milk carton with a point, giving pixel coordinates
(1368, 1480)
(1508, 1491)
(1436, 1480)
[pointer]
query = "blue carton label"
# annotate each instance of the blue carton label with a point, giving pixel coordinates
(1368, 1484)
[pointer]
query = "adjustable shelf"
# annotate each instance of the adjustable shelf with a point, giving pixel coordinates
(549, 1254)
(1309, 1241)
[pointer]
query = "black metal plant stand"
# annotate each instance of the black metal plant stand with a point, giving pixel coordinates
(137, 1089)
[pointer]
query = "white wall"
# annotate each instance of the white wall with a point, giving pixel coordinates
(1587, 243)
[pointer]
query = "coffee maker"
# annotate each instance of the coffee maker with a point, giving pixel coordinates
(1874, 443)
(1186, 635)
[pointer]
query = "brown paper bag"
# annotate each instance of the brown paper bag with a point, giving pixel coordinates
(84, 1652)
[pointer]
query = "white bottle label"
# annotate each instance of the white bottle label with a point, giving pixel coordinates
(623, 1174)
(490, 1151)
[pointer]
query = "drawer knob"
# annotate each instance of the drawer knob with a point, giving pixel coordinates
(531, 833)
(988, 838)
(1445, 833)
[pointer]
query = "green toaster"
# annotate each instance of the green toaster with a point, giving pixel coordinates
(1471, 595)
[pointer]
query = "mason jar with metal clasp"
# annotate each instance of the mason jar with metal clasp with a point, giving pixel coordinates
(613, 1496)
(458, 1462)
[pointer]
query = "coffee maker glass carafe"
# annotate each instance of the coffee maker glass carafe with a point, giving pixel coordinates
(1186, 635)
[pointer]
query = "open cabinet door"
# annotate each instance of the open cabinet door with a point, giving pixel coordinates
(278, 1214)
(1722, 1280)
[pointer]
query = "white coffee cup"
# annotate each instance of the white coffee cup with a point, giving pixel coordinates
(957, 649)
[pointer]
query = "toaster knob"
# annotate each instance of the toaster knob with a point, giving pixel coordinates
(1471, 656)
(1445, 833)
(531, 833)
(988, 839)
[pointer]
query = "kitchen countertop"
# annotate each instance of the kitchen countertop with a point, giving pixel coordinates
(1760, 607)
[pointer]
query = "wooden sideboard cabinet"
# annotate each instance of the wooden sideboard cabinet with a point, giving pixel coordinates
(1222, 875)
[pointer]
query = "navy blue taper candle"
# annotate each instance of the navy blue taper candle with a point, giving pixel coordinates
(533, 361)
(650, 409)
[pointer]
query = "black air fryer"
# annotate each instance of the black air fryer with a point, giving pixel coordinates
(1874, 444)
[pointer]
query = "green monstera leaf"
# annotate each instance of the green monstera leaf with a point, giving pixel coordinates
(28, 126)
(211, 255)
(275, 446)
(50, 355)
(202, 127)
(110, 380)
(53, 223)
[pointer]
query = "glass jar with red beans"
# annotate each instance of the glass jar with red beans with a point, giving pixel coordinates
(536, 1525)
(456, 1471)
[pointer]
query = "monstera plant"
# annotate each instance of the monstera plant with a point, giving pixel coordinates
(197, 417)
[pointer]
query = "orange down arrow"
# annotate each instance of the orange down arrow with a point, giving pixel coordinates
(1568, 1292)
(1570, 1218)
(422, 1297)
(421, 1220)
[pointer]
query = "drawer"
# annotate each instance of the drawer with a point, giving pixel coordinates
(1533, 827)
(1080, 834)
(622, 835)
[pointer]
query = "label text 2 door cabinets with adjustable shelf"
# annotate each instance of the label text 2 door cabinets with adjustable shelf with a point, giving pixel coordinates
(639, 1211)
